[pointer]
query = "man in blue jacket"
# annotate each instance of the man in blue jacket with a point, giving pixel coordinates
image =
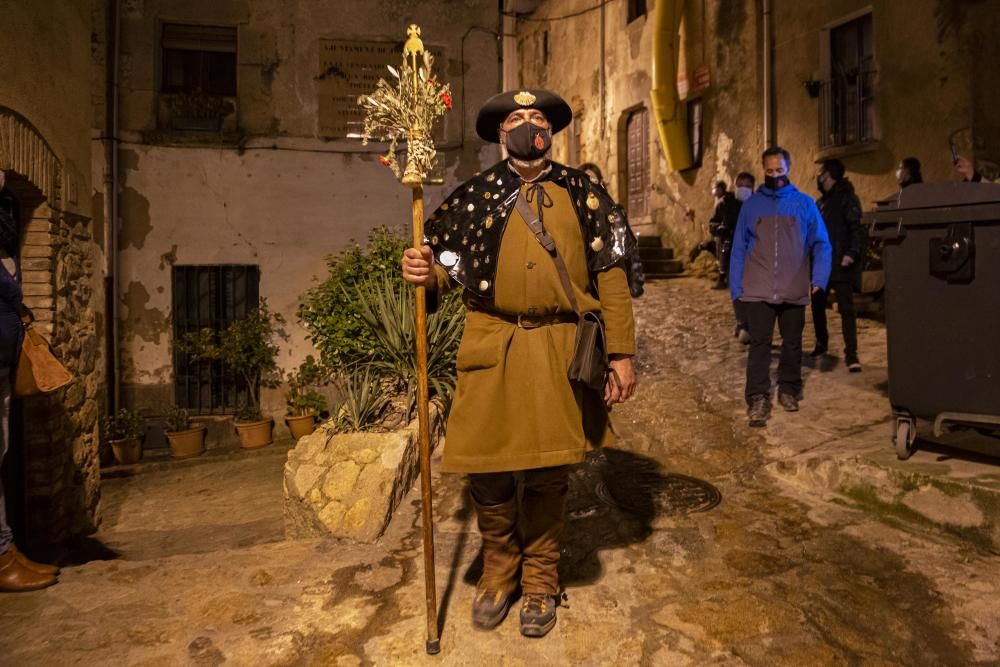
(780, 257)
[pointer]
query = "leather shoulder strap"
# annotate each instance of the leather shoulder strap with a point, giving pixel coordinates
(547, 242)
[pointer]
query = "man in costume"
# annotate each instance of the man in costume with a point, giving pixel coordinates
(517, 420)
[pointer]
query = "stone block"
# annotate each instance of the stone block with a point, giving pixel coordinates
(35, 276)
(38, 290)
(36, 251)
(37, 239)
(36, 264)
(349, 484)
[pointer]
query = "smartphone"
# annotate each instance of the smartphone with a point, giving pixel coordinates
(954, 155)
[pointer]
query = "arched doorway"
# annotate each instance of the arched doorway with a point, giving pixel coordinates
(59, 468)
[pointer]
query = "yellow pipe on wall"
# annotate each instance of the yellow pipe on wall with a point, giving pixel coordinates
(668, 110)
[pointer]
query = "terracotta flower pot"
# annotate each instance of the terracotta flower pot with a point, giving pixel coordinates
(300, 425)
(128, 450)
(187, 444)
(254, 435)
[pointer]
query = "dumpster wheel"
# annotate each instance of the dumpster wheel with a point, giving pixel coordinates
(906, 435)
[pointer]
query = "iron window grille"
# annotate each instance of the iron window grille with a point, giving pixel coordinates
(847, 98)
(210, 297)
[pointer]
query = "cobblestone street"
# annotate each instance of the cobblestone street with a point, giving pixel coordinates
(697, 540)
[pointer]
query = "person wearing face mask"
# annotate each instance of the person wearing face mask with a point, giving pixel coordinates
(532, 244)
(908, 172)
(841, 211)
(721, 226)
(781, 256)
(744, 189)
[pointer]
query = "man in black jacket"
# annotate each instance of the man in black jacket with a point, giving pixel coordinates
(841, 211)
(721, 226)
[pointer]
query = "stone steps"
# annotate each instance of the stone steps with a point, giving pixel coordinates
(657, 261)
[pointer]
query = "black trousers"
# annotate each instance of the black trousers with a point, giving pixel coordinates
(791, 320)
(848, 317)
(724, 252)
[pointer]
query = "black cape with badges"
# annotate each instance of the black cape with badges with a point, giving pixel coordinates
(466, 229)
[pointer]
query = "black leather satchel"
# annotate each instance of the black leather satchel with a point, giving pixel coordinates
(589, 365)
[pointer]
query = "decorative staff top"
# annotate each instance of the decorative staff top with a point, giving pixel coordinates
(407, 110)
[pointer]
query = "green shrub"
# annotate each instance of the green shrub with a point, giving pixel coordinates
(364, 398)
(178, 420)
(302, 397)
(123, 425)
(329, 310)
(388, 308)
(247, 346)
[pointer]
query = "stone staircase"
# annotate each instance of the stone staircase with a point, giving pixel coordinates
(657, 261)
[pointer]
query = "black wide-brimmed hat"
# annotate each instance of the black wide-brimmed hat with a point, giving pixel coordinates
(498, 107)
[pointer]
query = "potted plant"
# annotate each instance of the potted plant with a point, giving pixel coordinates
(185, 442)
(124, 431)
(247, 347)
(304, 402)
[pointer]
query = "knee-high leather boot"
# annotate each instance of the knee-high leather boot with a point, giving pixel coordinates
(501, 559)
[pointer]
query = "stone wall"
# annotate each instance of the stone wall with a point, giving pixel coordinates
(61, 431)
(46, 119)
(934, 77)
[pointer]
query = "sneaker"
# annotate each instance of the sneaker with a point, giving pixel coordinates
(788, 402)
(743, 335)
(538, 614)
(489, 608)
(853, 365)
(759, 410)
(818, 351)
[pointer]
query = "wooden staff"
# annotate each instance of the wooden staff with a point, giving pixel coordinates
(413, 49)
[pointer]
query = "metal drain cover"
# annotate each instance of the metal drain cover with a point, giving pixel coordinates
(668, 494)
(636, 484)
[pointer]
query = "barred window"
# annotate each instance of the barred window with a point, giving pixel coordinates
(210, 297)
(847, 100)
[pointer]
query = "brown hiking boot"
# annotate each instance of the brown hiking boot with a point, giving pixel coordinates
(489, 608)
(538, 614)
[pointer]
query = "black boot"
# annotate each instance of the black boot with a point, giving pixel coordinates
(759, 410)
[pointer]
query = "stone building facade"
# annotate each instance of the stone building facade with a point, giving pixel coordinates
(866, 81)
(46, 118)
(277, 184)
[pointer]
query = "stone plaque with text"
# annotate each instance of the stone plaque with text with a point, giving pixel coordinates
(347, 69)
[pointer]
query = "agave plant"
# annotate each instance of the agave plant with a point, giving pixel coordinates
(387, 307)
(364, 398)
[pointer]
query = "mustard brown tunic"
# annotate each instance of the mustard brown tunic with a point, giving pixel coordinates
(514, 406)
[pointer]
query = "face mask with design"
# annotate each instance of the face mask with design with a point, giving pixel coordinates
(743, 192)
(776, 182)
(528, 141)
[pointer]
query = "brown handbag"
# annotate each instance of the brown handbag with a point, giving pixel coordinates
(38, 370)
(589, 365)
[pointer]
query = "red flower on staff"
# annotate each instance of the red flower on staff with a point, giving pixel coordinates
(446, 98)
(384, 160)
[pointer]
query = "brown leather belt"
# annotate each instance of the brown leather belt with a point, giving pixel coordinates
(533, 321)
